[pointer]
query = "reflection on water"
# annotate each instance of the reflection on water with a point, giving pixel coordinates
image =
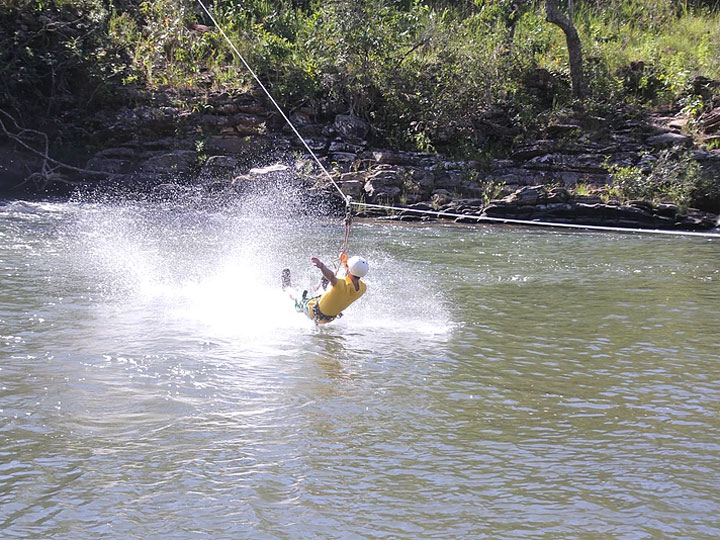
(494, 382)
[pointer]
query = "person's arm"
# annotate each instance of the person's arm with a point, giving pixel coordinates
(344, 259)
(326, 272)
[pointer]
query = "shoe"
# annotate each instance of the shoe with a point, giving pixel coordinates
(286, 278)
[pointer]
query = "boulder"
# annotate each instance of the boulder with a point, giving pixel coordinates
(387, 157)
(235, 144)
(670, 139)
(558, 195)
(351, 128)
(342, 146)
(177, 162)
(319, 145)
(218, 168)
(667, 210)
(248, 124)
(500, 209)
(538, 148)
(213, 121)
(529, 195)
(588, 163)
(122, 153)
(562, 129)
(352, 188)
(342, 157)
(110, 165)
(441, 197)
(383, 184)
(695, 220)
(352, 184)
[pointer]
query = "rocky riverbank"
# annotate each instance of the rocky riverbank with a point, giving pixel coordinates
(227, 142)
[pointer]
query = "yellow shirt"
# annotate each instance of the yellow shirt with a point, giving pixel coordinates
(338, 297)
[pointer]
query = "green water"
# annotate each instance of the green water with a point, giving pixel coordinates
(493, 383)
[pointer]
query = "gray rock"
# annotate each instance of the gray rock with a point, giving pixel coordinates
(177, 162)
(529, 151)
(319, 145)
(666, 210)
(387, 157)
(589, 163)
(352, 188)
(587, 199)
(110, 165)
(666, 140)
(301, 118)
(213, 121)
(122, 153)
(561, 130)
(341, 146)
(384, 184)
(529, 195)
(558, 195)
(342, 157)
(382, 194)
(351, 128)
(248, 124)
(221, 162)
(441, 197)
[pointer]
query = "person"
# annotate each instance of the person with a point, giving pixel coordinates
(329, 304)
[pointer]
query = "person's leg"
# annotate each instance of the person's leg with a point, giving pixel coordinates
(285, 278)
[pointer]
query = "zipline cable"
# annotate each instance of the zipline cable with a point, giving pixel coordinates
(275, 103)
(526, 222)
(349, 203)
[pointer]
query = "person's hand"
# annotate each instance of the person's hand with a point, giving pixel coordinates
(343, 257)
(317, 262)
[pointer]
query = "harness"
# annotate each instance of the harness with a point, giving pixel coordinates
(318, 316)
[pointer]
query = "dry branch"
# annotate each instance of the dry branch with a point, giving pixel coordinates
(48, 174)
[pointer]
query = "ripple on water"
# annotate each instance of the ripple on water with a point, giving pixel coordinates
(496, 382)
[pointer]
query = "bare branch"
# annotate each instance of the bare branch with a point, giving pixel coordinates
(46, 172)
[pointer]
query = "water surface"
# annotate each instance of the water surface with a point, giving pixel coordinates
(493, 383)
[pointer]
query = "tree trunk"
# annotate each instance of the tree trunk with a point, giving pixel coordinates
(555, 16)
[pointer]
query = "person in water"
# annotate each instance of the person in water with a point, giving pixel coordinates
(328, 305)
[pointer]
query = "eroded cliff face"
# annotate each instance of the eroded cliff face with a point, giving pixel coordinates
(219, 143)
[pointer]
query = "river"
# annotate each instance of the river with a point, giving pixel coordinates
(494, 382)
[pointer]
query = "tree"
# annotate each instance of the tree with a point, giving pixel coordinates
(553, 15)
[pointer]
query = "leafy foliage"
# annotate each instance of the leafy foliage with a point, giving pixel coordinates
(54, 51)
(671, 176)
(469, 77)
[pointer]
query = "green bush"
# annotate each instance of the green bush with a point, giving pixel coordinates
(458, 77)
(672, 176)
(54, 53)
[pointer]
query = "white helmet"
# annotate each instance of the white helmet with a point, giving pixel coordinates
(358, 266)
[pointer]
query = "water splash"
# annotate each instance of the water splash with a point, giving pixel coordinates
(217, 270)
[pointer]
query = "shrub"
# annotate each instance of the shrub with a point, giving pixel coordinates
(55, 53)
(673, 176)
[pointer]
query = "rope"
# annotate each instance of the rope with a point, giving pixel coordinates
(348, 222)
(509, 221)
(275, 103)
(349, 203)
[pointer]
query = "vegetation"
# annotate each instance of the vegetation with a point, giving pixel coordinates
(425, 73)
(672, 176)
